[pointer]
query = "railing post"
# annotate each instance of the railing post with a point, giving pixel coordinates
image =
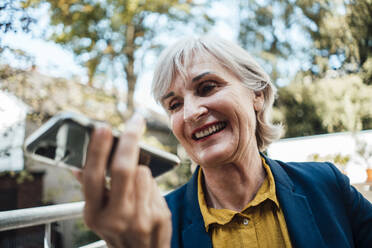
(47, 236)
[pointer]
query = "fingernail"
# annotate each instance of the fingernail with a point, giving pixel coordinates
(101, 129)
(99, 124)
(137, 121)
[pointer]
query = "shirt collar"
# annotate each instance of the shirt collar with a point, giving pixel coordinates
(223, 216)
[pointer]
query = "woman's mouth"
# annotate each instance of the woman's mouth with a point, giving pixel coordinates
(208, 130)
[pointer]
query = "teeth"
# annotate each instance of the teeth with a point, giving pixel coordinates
(212, 129)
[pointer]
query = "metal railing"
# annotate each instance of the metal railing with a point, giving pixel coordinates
(20, 218)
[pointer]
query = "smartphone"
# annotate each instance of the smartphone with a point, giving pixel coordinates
(63, 141)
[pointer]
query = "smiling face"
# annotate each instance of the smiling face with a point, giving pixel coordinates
(213, 114)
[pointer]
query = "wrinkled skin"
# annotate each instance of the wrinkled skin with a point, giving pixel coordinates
(213, 94)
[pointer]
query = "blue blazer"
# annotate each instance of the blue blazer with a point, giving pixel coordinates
(320, 207)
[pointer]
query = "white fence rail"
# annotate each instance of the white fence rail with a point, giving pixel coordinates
(20, 218)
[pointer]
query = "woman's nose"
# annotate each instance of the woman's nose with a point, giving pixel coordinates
(193, 110)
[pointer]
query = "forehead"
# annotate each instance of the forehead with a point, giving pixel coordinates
(198, 68)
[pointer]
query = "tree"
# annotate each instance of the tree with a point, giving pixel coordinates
(296, 110)
(108, 34)
(258, 32)
(360, 23)
(14, 18)
(319, 35)
(327, 44)
(326, 105)
(343, 35)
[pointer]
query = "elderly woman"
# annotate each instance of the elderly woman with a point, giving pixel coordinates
(219, 100)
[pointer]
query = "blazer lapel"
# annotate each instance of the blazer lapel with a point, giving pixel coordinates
(194, 234)
(299, 218)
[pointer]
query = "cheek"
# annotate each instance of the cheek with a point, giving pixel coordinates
(173, 125)
(243, 116)
(176, 126)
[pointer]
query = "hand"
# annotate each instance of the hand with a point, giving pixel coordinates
(133, 212)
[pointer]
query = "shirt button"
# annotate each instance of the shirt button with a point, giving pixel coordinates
(245, 221)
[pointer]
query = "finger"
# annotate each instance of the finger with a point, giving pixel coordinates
(162, 235)
(95, 167)
(145, 221)
(143, 190)
(78, 174)
(158, 197)
(163, 230)
(143, 224)
(125, 161)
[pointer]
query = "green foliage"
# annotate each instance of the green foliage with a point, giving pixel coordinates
(338, 159)
(326, 105)
(344, 31)
(297, 110)
(20, 176)
(176, 177)
(344, 103)
(263, 29)
(329, 44)
(83, 235)
(331, 30)
(154, 142)
(108, 34)
(366, 72)
(48, 95)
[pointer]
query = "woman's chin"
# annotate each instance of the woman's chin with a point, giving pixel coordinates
(214, 158)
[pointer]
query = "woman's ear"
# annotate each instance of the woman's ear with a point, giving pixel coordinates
(258, 100)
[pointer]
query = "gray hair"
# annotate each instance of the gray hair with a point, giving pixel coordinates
(175, 60)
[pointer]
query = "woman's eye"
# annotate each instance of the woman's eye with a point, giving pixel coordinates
(173, 106)
(206, 87)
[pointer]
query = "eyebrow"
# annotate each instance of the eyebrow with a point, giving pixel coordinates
(167, 95)
(195, 79)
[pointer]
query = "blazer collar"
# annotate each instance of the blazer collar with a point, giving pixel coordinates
(194, 235)
(301, 224)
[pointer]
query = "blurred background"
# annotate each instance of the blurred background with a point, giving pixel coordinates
(96, 57)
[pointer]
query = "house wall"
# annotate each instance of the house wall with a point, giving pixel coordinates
(328, 145)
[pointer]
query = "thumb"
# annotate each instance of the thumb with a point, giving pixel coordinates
(78, 174)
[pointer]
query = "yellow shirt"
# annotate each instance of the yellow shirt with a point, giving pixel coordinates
(260, 224)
